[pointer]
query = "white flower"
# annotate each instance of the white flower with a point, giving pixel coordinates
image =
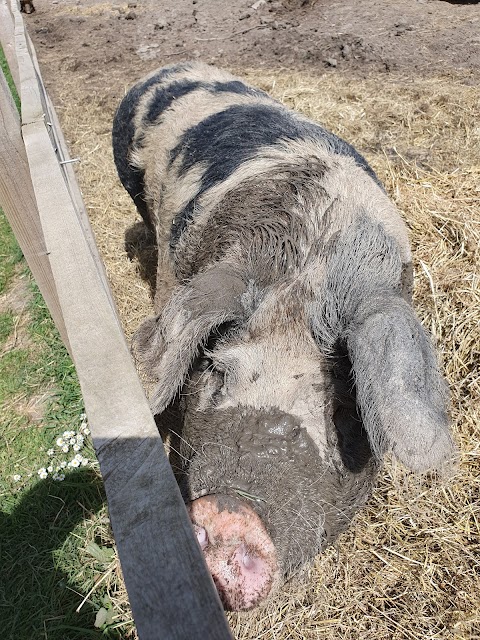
(65, 448)
(84, 462)
(50, 469)
(58, 477)
(17, 477)
(80, 438)
(72, 441)
(68, 434)
(50, 452)
(83, 417)
(63, 464)
(77, 447)
(42, 473)
(60, 442)
(84, 428)
(74, 463)
(78, 457)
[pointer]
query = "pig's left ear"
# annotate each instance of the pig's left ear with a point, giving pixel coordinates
(360, 312)
(165, 346)
(401, 394)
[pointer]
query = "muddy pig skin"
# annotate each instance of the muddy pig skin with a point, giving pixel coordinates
(286, 355)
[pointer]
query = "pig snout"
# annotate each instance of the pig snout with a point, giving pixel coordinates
(238, 551)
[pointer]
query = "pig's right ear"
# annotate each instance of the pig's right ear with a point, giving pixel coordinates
(165, 346)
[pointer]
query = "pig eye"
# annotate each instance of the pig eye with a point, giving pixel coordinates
(204, 363)
(220, 385)
(213, 379)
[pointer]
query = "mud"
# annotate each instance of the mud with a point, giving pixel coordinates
(267, 460)
(252, 438)
(276, 434)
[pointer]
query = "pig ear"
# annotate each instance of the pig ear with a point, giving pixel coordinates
(400, 392)
(165, 346)
(401, 395)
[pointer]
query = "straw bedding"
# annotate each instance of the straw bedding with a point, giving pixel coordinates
(409, 567)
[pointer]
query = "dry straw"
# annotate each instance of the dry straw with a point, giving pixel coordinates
(409, 567)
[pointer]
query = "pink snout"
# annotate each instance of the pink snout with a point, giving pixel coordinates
(238, 551)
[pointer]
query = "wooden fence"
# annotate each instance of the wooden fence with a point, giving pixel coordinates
(170, 590)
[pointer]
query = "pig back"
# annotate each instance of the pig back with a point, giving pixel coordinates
(188, 135)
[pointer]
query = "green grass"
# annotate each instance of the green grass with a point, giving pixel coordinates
(7, 325)
(8, 76)
(47, 527)
(10, 253)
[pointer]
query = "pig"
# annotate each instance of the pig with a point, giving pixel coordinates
(286, 355)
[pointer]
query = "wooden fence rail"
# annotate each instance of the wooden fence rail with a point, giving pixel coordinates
(170, 590)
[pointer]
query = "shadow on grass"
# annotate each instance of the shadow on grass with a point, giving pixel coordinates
(37, 599)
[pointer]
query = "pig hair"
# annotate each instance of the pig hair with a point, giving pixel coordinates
(265, 235)
(359, 309)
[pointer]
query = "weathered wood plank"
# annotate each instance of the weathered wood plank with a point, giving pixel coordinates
(18, 202)
(7, 39)
(171, 592)
(67, 169)
(32, 108)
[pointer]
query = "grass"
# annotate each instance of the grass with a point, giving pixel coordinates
(7, 325)
(45, 526)
(6, 71)
(10, 253)
(56, 545)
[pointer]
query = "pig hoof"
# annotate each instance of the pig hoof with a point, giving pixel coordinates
(238, 551)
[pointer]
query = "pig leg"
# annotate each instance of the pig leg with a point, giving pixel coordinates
(27, 6)
(238, 551)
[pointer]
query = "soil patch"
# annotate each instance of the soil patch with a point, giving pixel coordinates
(113, 43)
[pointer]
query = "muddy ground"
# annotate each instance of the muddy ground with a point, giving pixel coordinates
(399, 80)
(110, 44)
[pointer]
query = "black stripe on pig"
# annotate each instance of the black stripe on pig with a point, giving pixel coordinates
(225, 140)
(236, 86)
(165, 95)
(123, 135)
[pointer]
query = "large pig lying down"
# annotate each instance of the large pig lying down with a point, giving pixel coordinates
(284, 332)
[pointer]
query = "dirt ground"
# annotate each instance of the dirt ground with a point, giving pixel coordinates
(111, 44)
(398, 79)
